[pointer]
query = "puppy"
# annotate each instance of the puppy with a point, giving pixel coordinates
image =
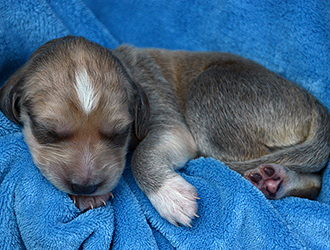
(81, 105)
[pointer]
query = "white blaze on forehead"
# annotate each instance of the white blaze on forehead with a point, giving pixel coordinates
(85, 91)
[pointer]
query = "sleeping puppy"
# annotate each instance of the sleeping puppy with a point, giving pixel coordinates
(81, 105)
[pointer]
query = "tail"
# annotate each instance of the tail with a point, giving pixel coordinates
(309, 156)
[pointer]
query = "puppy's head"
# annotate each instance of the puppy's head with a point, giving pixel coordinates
(77, 106)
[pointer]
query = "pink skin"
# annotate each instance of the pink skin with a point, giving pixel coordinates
(84, 203)
(268, 179)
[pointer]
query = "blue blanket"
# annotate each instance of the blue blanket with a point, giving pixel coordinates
(289, 38)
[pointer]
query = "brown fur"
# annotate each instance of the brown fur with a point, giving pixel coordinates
(178, 105)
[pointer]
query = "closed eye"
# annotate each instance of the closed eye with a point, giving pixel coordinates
(46, 135)
(118, 138)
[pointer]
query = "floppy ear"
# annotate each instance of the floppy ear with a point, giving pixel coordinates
(141, 110)
(10, 95)
(139, 102)
(11, 92)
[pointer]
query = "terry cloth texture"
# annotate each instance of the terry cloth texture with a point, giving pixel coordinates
(291, 38)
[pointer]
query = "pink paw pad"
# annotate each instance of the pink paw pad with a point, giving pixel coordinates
(268, 179)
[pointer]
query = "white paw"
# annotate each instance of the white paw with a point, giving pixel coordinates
(176, 201)
(84, 203)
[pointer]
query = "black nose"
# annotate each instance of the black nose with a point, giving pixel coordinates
(79, 189)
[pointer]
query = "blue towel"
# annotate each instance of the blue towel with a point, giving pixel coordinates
(291, 39)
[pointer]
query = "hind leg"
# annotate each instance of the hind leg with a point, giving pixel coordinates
(276, 182)
(232, 119)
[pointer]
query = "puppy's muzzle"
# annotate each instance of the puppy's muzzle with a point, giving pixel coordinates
(84, 190)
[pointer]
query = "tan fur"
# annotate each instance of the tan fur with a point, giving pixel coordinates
(81, 104)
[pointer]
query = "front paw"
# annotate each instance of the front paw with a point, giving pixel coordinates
(84, 203)
(175, 201)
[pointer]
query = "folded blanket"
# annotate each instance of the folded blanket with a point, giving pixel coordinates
(290, 39)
